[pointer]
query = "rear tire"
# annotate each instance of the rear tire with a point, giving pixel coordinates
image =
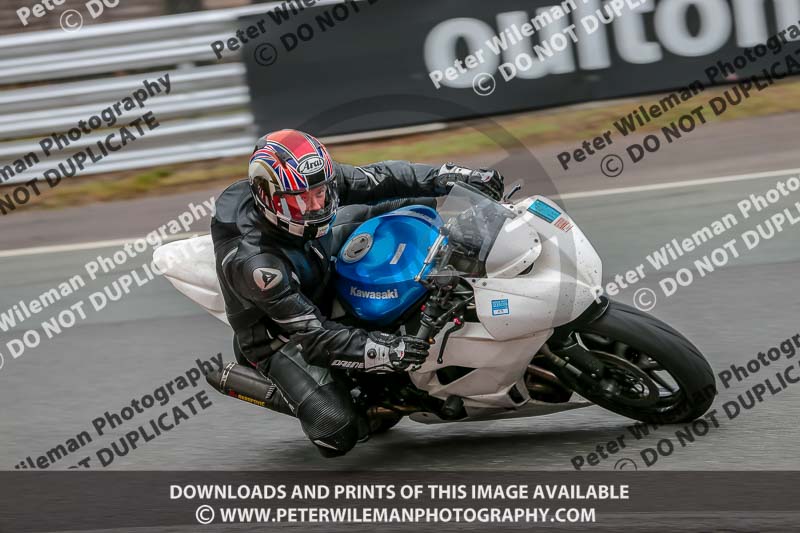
(644, 340)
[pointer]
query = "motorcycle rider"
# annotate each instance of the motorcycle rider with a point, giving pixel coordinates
(273, 248)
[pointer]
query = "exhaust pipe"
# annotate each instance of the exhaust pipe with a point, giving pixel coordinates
(247, 384)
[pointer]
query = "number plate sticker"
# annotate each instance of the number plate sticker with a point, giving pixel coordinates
(499, 307)
(544, 211)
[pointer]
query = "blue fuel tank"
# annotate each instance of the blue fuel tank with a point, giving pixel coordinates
(377, 265)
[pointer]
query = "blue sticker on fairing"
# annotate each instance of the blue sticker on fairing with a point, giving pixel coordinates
(499, 307)
(544, 211)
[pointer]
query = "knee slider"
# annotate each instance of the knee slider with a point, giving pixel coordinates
(328, 415)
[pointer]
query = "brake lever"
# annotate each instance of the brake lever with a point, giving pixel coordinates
(459, 323)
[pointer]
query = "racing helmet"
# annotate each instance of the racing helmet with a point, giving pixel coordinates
(292, 181)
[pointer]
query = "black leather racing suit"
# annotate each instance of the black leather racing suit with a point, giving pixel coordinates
(275, 285)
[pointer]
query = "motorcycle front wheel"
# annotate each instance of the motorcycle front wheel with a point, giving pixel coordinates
(652, 373)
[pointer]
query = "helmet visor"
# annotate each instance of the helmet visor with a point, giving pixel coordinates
(312, 205)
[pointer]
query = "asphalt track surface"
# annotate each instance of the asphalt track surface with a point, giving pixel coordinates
(53, 392)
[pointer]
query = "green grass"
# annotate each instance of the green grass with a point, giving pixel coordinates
(562, 125)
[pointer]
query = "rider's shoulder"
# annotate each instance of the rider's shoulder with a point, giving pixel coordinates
(230, 203)
(264, 273)
(251, 253)
(232, 219)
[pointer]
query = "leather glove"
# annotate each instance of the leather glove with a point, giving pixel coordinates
(467, 232)
(393, 353)
(489, 182)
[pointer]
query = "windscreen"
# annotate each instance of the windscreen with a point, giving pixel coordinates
(472, 222)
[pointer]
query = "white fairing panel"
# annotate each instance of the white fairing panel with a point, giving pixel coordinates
(555, 291)
(499, 366)
(517, 315)
(516, 248)
(190, 266)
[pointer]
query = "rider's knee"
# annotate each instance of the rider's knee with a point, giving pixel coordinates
(330, 420)
(323, 406)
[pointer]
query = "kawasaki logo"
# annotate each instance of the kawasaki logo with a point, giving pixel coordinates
(373, 295)
(311, 165)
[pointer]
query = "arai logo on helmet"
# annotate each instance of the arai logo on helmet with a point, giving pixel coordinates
(311, 165)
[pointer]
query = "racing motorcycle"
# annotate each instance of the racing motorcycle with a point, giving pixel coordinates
(507, 294)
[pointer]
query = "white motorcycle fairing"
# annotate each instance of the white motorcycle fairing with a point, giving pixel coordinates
(190, 266)
(517, 306)
(517, 316)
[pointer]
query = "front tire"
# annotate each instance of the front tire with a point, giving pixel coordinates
(660, 376)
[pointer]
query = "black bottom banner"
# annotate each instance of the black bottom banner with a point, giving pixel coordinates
(413, 501)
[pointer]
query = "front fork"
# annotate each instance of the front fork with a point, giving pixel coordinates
(565, 352)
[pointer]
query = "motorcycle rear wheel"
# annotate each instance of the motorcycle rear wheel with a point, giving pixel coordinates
(657, 375)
